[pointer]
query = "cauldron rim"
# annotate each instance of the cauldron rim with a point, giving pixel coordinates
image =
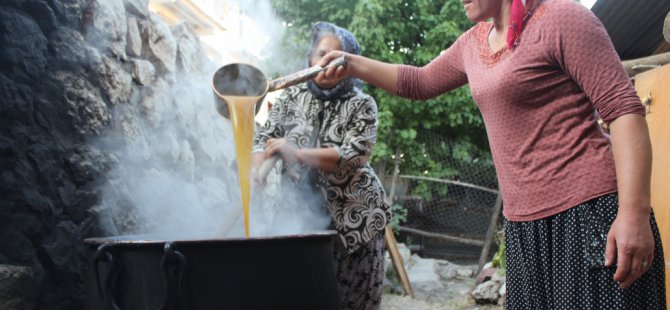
(162, 238)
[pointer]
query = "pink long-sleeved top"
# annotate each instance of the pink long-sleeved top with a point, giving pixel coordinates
(538, 102)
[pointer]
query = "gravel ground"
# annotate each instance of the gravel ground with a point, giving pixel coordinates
(437, 285)
(397, 302)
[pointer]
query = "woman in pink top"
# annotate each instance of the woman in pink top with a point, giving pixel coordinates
(580, 231)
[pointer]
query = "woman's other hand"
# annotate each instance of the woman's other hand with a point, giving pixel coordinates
(630, 244)
(280, 147)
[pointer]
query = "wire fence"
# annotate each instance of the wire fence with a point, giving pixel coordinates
(449, 201)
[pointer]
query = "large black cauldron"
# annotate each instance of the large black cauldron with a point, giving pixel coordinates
(145, 272)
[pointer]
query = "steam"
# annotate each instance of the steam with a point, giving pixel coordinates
(281, 208)
(262, 32)
(262, 15)
(175, 171)
(239, 80)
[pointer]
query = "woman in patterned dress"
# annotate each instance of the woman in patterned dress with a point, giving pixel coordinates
(324, 131)
(580, 231)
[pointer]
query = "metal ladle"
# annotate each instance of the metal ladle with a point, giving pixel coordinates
(240, 79)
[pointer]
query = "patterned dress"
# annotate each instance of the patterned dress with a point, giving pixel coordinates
(353, 194)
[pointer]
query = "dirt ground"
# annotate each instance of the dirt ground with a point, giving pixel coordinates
(397, 302)
(437, 285)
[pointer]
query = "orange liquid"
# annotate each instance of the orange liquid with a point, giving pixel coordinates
(242, 116)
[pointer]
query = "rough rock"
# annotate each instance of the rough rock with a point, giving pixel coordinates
(43, 15)
(69, 49)
(17, 247)
(18, 288)
(88, 164)
(448, 270)
(424, 274)
(85, 106)
(62, 247)
(107, 27)
(137, 7)
(487, 292)
(114, 81)
(154, 106)
(134, 47)
(486, 274)
(18, 97)
(69, 12)
(23, 46)
(190, 54)
(143, 71)
(161, 43)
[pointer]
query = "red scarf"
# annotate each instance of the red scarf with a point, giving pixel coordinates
(518, 16)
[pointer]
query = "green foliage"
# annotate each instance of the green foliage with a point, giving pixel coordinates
(408, 32)
(415, 32)
(399, 216)
(301, 14)
(298, 16)
(499, 258)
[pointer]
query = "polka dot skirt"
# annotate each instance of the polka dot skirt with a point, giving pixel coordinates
(558, 263)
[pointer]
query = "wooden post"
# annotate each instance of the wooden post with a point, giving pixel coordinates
(394, 178)
(391, 245)
(398, 264)
(441, 236)
(490, 233)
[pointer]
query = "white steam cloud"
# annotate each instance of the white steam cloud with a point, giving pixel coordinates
(176, 170)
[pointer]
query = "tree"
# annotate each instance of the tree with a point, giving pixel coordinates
(409, 32)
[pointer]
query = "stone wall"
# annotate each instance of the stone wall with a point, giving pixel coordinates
(91, 91)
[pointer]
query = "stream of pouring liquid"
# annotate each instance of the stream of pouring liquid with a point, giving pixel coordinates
(242, 116)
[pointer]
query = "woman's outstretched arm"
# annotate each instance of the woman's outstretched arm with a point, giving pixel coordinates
(380, 74)
(444, 73)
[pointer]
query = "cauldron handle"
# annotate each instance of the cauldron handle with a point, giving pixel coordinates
(173, 264)
(106, 291)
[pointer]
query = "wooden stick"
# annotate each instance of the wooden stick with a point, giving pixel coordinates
(396, 259)
(303, 75)
(490, 233)
(391, 245)
(459, 183)
(265, 168)
(441, 236)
